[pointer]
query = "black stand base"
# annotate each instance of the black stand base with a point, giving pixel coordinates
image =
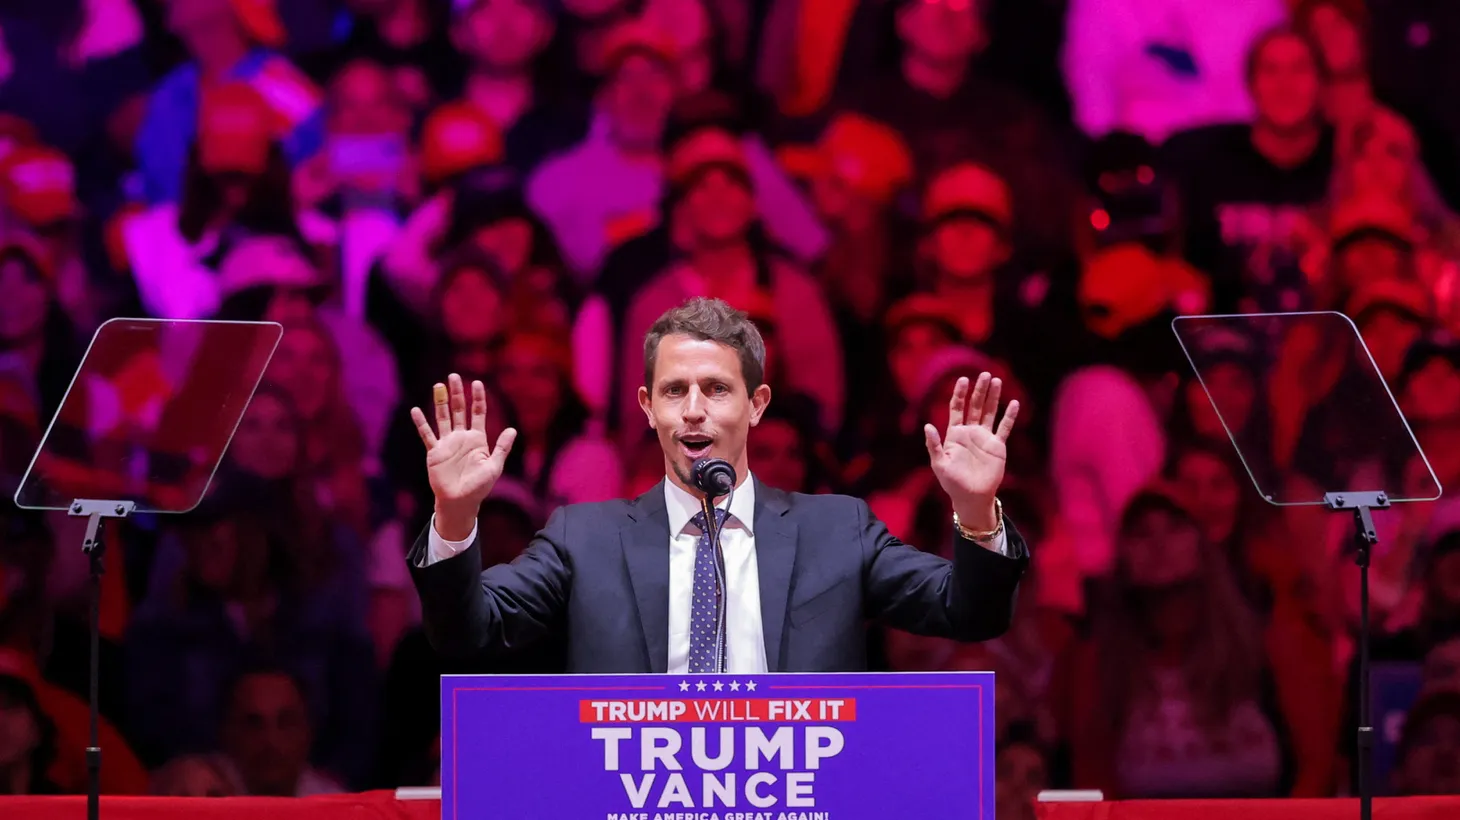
(95, 513)
(1365, 537)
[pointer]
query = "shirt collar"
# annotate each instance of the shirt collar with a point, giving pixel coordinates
(682, 506)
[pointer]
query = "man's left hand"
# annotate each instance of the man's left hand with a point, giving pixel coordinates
(969, 458)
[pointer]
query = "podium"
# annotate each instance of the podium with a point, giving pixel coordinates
(774, 746)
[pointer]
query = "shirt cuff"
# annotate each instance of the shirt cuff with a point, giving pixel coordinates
(439, 549)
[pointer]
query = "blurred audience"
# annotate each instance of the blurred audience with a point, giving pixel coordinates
(1182, 686)
(898, 193)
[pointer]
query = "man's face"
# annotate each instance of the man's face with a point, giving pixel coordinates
(640, 94)
(364, 101)
(267, 734)
(967, 248)
(699, 406)
(719, 208)
(948, 32)
(1285, 84)
(503, 35)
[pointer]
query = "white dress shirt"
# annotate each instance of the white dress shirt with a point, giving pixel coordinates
(744, 638)
(745, 650)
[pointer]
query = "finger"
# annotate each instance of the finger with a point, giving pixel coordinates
(503, 448)
(423, 428)
(1007, 425)
(991, 404)
(443, 414)
(458, 402)
(958, 403)
(935, 444)
(975, 401)
(478, 407)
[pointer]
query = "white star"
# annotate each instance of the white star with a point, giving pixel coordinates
(750, 686)
(684, 686)
(734, 686)
(700, 687)
(719, 686)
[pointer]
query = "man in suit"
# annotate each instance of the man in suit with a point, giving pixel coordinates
(636, 586)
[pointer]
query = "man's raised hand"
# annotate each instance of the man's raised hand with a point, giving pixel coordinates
(969, 458)
(460, 464)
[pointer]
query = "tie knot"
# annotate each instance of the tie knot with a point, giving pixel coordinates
(720, 515)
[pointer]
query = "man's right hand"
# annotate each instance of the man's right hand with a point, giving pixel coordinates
(460, 464)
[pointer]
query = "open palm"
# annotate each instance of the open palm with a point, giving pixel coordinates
(969, 458)
(460, 463)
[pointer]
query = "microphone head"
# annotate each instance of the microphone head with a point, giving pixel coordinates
(713, 476)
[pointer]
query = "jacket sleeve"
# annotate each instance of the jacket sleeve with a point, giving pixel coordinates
(970, 598)
(466, 610)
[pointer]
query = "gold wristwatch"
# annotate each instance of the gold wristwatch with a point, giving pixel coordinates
(983, 537)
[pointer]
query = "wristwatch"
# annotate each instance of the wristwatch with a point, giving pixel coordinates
(982, 537)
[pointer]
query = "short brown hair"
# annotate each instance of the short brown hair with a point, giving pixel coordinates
(710, 320)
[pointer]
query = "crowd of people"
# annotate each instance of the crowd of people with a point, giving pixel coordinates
(900, 193)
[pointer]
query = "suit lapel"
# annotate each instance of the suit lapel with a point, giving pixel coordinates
(775, 559)
(646, 556)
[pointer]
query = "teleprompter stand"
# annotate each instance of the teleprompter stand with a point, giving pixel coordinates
(142, 428)
(1342, 428)
(94, 546)
(1365, 538)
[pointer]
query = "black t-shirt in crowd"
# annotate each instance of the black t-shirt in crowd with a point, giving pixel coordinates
(1245, 216)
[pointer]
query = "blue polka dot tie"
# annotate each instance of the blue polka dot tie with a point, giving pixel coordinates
(707, 608)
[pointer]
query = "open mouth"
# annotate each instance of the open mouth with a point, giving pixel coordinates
(696, 446)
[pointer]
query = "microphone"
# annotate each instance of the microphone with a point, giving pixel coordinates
(713, 476)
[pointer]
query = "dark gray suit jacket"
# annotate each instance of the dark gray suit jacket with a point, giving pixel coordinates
(599, 573)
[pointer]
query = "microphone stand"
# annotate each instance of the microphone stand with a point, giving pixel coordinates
(712, 529)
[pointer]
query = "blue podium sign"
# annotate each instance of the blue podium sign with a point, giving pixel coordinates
(847, 746)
